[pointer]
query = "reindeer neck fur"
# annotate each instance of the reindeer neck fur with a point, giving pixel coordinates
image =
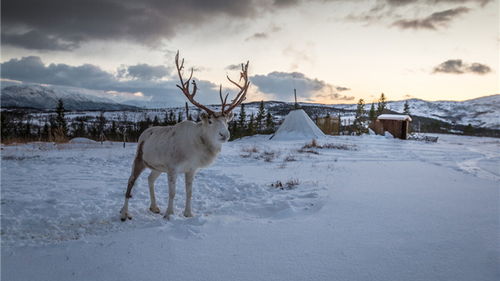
(209, 148)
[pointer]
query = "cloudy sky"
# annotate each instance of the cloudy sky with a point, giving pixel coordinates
(334, 51)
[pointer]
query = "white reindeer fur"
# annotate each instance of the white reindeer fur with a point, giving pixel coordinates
(183, 148)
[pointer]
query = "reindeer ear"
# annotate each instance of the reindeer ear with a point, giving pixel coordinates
(204, 116)
(229, 116)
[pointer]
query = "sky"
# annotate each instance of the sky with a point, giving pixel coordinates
(331, 51)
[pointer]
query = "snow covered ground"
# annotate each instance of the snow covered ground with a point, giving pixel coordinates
(367, 208)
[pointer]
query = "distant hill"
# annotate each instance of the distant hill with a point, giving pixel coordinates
(481, 112)
(45, 97)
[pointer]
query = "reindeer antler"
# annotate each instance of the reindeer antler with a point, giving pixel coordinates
(240, 97)
(185, 86)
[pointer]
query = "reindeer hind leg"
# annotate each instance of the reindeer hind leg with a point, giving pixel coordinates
(137, 169)
(151, 181)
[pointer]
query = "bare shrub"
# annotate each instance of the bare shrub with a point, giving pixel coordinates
(290, 158)
(282, 165)
(268, 156)
(339, 146)
(312, 144)
(290, 184)
(252, 149)
(58, 135)
(307, 148)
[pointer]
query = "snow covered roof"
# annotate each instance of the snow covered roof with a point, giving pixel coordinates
(394, 117)
(297, 125)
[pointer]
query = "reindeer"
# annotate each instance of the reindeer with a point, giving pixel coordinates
(185, 147)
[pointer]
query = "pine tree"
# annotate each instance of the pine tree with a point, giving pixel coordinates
(243, 117)
(406, 109)
(156, 122)
(188, 115)
(382, 103)
(359, 118)
(261, 114)
(372, 114)
(60, 121)
(165, 119)
(179, 117)
(269, 122)
(469, 130)
(251, 125)
(233, 130)
(101, 125)
(45, 131)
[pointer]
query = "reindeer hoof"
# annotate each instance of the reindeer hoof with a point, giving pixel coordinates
(155, 209)
(188, 214)
(124, 216)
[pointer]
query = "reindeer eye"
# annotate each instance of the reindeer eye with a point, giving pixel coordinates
(209, 122)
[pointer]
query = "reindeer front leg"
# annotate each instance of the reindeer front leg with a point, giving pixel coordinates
(172, 178)
(189, 192)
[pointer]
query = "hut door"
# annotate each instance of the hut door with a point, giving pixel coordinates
(404, 130)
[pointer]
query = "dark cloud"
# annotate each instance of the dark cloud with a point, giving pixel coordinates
(33, 70)
(281, 84)
(258, 35)
(70, 22)
(285, 3)
(265, 34)
(393, 11)
(146, 72)
(479, 68)
(406, 2)
(435, 20)
(233, 67)
(457, 66)
(37, 41)
(341, 89)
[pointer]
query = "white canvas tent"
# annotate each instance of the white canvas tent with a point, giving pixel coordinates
(297, 125)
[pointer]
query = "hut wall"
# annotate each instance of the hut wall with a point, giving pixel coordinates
(329, 125)
(394, 127)
(377, 127)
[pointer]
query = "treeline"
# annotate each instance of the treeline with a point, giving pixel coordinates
(21, 126)
(261, 123)
(363, 117)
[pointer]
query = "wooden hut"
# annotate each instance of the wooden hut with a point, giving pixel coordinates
(329, 125)
(397, 125)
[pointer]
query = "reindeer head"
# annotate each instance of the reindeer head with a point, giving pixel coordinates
(214, 124)
(214, 127)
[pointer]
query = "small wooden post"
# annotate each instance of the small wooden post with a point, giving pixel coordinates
(295, 94)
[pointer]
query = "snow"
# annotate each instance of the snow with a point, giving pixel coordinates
(380, 209)
(387, 134)
(394, 117)
(81, 140)
(297, 125)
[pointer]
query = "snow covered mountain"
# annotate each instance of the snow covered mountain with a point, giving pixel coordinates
(46, 97)
(479, 112)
